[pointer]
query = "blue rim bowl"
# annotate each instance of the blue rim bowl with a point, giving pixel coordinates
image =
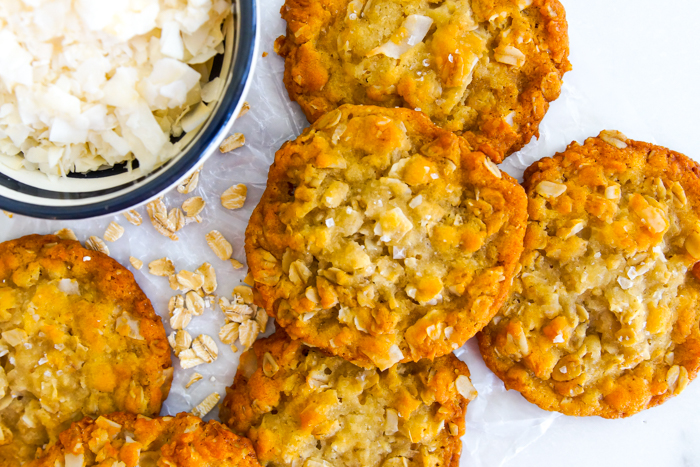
(119, 188)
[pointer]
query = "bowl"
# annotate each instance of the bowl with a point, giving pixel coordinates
(124, 186)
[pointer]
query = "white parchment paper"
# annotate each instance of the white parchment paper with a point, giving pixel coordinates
(636, 68)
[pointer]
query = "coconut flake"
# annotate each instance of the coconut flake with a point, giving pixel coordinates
(77, 75)
(412, 32)
(69, 286)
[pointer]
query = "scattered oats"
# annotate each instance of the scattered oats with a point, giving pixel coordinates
(189, 359)
(244, 109)
(190, 183)
(207, 271)
(66, 234)
(161, 267)
(96, 244)
(234, 197)
(270, 366)
(236, 264)
(192, 220)
(245, 292)
(221, 247)
(206, 405)
(133, 217)
(136, 263)
(193, 379)
(180, 318)
(248, 332)
(180, 341)
(205, 348)
(114, 232)
(194, 303)
(234, 141)
(228, 334)
(189, 280)
(465, 387)
(158, 214)
(261, 318)
(236, 312)
(193, 206)
(172, 280)
(177, 219)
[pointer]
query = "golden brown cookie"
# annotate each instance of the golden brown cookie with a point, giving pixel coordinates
(382, 238)
(485, 69)
(300, 406)
(77, 337)
(604, 319)
(127, 440)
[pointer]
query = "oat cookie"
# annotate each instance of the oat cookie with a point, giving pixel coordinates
(486, 69)
(300, 406)
(381, 238)
(603, 319)
(127, 440)
(77, 337)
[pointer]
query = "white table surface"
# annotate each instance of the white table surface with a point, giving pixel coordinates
(635, 69)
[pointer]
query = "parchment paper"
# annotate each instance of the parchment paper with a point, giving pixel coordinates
(622, 79)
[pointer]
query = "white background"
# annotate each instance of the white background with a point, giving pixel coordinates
(636, 69)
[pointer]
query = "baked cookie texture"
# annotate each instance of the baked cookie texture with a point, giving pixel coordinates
(603, 319)
(128, 440)
(486, 69)
(300, 406)
(77, 337)
(382, 238)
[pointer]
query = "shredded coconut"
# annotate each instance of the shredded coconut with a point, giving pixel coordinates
(88, 83)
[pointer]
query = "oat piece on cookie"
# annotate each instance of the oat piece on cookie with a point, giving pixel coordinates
(77, 337)
(485, 69)
(382, 238)
(604, 316)
(127, 440)
(300, 406)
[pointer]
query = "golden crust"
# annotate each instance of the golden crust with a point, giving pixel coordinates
(79, 338)
(181, 441)
(298, 405)
(604, 319)
(381, 238)
(487, 69)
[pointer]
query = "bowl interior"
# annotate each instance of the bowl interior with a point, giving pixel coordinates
(125, 185)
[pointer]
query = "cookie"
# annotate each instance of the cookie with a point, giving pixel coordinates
(485, 69)
(300, 406)
(77, 337)
(382, 238)
(604, 319)
(128, 440)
